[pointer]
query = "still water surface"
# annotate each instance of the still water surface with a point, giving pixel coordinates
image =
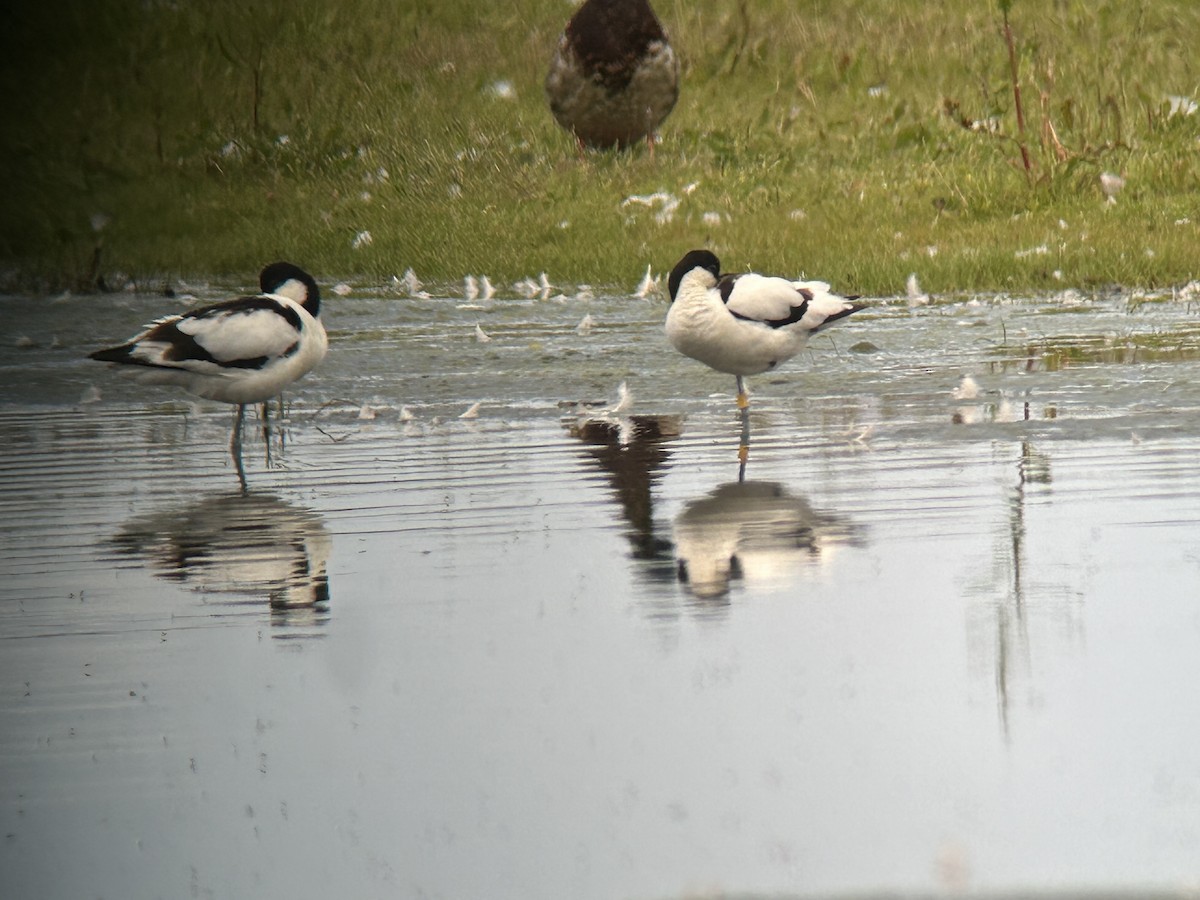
(930, 643)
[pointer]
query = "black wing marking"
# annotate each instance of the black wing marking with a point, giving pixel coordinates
(795, 313)
(177, 341)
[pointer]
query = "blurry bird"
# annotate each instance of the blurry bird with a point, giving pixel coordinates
(614, 77)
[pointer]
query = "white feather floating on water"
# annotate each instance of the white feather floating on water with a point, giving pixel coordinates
(472, 411)
(480, 335)
(410, 284)
(624, 401)
(916, 297)
(531, 288)
(968, 389)
(585, 326)
(647, 286)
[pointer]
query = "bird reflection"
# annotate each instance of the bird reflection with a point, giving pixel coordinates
(752, 531)
(633, 454)
(250, 546)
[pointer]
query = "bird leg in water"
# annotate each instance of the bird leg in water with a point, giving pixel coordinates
(744, 446)
(743, 396)
(235, 446)
(743, 402)
(265, 412)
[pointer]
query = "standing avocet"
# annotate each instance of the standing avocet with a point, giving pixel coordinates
(745, 324)
(244, 350)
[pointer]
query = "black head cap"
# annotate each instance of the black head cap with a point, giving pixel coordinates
(693, 259)
(277, 274)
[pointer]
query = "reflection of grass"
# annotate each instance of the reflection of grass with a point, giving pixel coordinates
(858, 142)
(1056, 354)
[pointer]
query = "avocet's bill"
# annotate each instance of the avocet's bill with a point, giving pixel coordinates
(614, 77)
(745, 324)
(244, 350)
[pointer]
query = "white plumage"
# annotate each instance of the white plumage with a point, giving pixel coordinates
(240, 351)
(244, 350)
(745, 324)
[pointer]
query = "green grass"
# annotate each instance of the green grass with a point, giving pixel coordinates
(826, 137)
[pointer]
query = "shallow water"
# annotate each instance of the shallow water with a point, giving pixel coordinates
(930, 644)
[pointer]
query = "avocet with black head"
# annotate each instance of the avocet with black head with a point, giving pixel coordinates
(244, 350)
(745, 324)
(614, 77)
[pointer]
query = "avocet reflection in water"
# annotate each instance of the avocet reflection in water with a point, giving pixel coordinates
(742, 530)
(753, 531)
(232, 549)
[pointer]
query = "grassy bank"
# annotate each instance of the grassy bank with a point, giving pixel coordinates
(852, 141)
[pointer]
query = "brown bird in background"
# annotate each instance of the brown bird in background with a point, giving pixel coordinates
(614, 77)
